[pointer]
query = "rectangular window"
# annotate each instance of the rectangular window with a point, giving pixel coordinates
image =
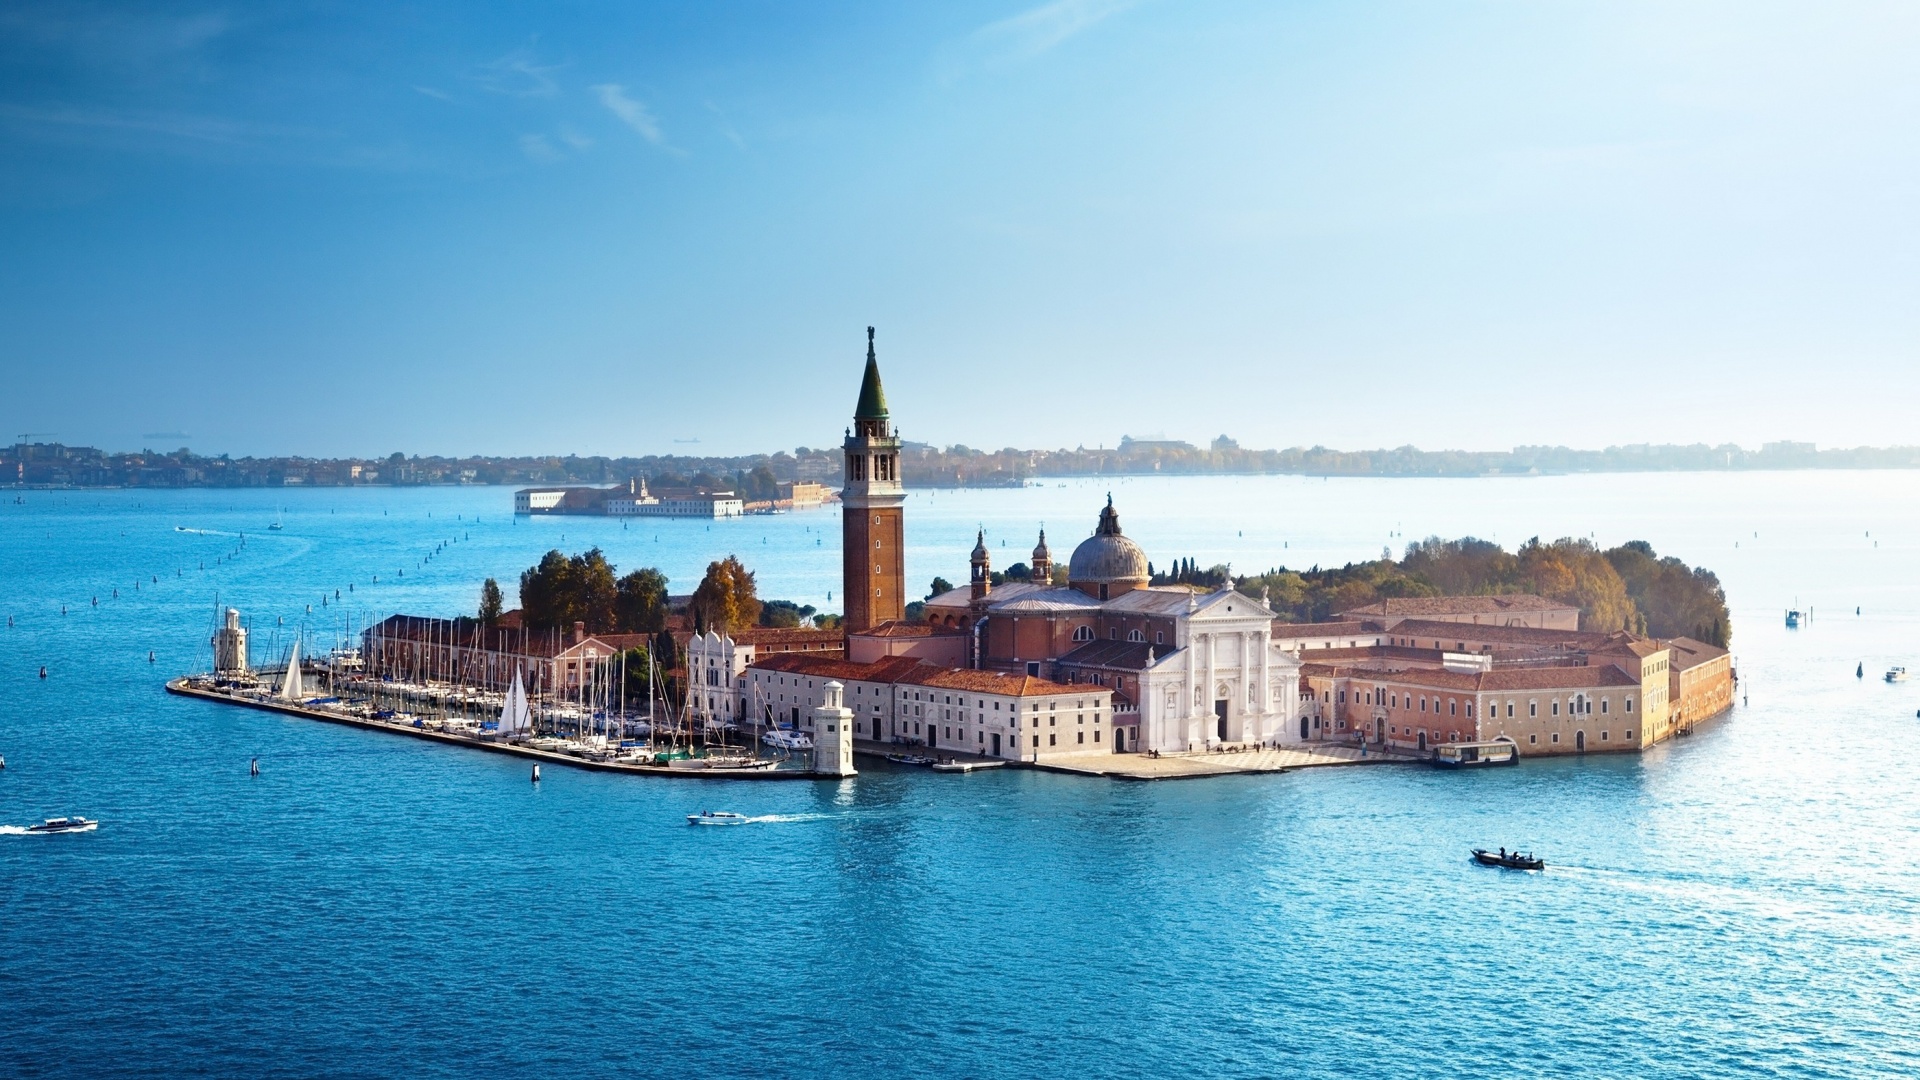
(1556, 736)
(1423, 704)
(1533, 708)
(1603, 706)
(1036, 742)
(1509, 710)
(1533, 738)
(1556, 706)
(1051, 738)
(1451, 702)
(1603, 736)
(1083, 737)
(1629, 734)
(1629, 704)
(1096, 734)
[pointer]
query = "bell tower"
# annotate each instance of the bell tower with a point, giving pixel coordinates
(872, 551)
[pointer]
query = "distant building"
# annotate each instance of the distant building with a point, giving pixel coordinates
(1514, 609)
(632, 499)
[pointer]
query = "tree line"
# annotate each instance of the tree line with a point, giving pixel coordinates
(1630, 587)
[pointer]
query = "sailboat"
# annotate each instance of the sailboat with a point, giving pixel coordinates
(515, 718)
(290, 687)
(276, 526)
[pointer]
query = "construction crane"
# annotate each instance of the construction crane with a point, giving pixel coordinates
(25, 435)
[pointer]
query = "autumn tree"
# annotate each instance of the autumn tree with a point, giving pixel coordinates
(727, 598)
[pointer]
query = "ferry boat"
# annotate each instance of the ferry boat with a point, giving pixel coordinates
(1897, 674)
(63, 824)
(716, 817)
(1509, 860)
(1472, 754)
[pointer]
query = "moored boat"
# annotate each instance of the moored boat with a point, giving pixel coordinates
(1896, 674)
(1510, 860)
(1470, 754)
(910, 759)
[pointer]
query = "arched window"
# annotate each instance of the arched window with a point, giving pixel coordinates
(1083, 633)
(1135, 635)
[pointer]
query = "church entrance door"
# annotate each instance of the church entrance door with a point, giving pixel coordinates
(1220, 719)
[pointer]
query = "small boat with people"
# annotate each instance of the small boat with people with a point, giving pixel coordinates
(716, 817)
(64, 825)
(1896, 674)
(1509, 860)
(917, 760)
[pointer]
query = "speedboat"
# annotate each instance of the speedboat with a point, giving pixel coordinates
(64, 824)
(910, 759)
(716, 817)
(787, 740)
(1511, 860)
(1897, 674)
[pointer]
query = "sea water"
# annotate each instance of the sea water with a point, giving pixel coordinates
(1741, 902)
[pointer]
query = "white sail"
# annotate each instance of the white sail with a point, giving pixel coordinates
(290, 688)
(514, 715)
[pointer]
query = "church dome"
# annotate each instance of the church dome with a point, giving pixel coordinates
(1107, 557)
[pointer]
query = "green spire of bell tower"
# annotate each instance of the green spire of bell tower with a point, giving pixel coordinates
(873, 400)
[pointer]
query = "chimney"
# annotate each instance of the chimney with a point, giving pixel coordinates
(579, 632)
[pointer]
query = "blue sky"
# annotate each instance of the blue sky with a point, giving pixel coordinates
(439, 228)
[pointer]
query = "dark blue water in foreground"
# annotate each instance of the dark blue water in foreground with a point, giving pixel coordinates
(1744, 902)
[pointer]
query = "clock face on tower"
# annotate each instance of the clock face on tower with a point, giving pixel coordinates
(873, 572)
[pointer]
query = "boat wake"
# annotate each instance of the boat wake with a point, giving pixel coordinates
(785, 818)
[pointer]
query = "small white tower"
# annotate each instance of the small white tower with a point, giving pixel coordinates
(833, 734)
(230, 647)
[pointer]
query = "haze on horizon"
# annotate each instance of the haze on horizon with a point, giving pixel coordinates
(516, 228)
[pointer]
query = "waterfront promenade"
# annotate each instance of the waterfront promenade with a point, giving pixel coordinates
(1193, 766)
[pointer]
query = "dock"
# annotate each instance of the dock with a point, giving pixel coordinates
(181, 687)
(1193, 766)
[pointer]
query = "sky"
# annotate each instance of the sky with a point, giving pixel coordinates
(554, 228)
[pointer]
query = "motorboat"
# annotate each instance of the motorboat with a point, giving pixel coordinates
(1896, 674)
(716, 817)
(1472, 754)
(786, 739)
(1793, 620)
(910, 759)
(64, 824)
(1511, 860)
(951, 765)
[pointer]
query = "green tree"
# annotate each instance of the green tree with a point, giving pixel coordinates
(560, 591)
(640, 606)
(940, 585)
(490, 602)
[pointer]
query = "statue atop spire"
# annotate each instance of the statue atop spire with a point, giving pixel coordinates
(873, 400)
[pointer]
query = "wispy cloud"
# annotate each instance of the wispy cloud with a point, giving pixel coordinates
(537, 148)
(1036, 30)
(632, 113)
(177, 125)
(573, 138)
(519, 74)
(726, 126)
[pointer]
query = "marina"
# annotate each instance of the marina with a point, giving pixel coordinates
(553, 751)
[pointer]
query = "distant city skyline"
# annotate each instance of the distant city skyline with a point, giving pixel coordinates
(511, 229)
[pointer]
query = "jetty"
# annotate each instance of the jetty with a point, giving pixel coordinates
(339, 712)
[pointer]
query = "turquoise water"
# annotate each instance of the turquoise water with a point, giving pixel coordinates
(1743, 902)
